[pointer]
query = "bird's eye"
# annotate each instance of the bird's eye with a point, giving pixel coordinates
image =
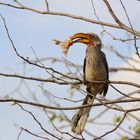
(91, 36)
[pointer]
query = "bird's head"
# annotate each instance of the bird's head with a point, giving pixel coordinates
(90, 39)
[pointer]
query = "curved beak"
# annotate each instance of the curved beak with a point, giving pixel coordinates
(81, 38)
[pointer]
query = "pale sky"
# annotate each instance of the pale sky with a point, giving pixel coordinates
(29, 29)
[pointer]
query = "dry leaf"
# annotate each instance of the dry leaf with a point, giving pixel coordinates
(64, 45)
(56, 42)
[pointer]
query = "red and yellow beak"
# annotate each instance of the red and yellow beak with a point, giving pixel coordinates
(81, 38)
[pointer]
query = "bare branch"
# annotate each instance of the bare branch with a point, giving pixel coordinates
(120, 26)
(67, 82)
(135, 41)
(33, 134)
(53, 109)
(124, 69)
(40, 125)
(47, 5)
(19, 134)
(71, 108)
(27, 60)
(117, 126)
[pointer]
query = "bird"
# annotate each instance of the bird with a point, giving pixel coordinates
(95, 68)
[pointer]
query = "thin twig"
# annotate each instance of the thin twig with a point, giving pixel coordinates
(19, 134)
(28, 61)
(135, 41)
(116, 69)
(125, 95)
(47, 5)
(40, 125)
(33, 134)
(117, 126)
(120, 26)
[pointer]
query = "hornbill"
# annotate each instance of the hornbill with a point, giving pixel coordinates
(95, 69)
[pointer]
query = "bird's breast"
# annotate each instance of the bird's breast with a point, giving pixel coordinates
(95, 69)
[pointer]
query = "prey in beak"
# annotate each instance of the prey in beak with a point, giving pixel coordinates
(85, 38)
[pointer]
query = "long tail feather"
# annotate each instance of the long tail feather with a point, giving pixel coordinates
(80, 118)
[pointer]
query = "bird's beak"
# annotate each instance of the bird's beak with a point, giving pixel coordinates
(81, 38)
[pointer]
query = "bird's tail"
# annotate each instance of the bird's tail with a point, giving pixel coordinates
(80, 118)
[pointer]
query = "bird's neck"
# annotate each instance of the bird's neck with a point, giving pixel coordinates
(91, 50)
